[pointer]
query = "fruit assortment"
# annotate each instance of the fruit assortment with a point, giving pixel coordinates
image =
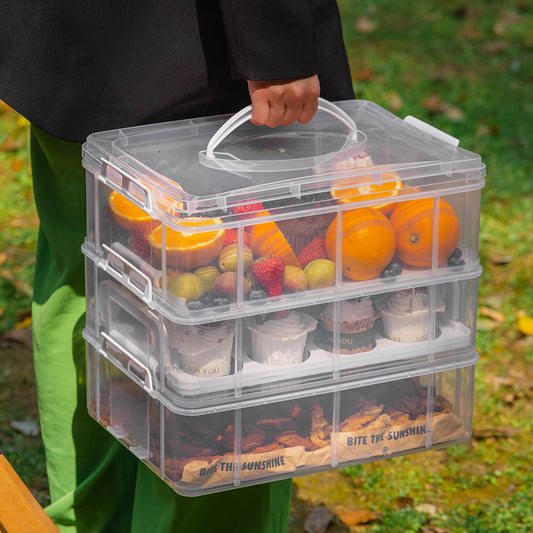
(211, 267)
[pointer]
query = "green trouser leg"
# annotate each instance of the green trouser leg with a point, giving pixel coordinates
(96, 484)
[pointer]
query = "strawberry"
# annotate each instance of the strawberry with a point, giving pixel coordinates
(268, 272)
(230, 237)
(248, 210)
(138, 243)
(316, 249)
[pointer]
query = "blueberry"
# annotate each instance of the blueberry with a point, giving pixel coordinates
(207, 299)
(220, 300)
(456, 258)
(194, 305)
(257, 294)
(261, 319)
(392, 270)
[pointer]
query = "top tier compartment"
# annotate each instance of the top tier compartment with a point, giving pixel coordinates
(384, 201)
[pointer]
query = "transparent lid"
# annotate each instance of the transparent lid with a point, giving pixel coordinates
(217, 162)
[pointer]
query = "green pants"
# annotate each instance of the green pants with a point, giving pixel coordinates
(96, 484)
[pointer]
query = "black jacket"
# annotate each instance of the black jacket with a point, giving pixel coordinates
(75, 67)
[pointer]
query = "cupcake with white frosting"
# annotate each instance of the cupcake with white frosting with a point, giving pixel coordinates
(406, 315)
(281, 341)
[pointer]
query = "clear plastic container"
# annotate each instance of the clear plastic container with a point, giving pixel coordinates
(293, 434)
(226, 361)
(179, 213)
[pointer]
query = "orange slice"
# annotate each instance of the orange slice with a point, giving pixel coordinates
(192, 248)
(130, 216)
(371, 191)
(267, 239)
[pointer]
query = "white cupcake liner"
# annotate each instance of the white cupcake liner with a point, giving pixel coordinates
(282, 342)
(202, 352)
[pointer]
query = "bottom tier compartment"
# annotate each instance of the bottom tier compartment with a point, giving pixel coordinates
(287, 436)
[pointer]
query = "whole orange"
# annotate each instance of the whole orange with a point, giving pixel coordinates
(413, 223)
(368, 243)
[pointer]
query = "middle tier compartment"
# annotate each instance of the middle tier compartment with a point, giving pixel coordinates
(281, 351)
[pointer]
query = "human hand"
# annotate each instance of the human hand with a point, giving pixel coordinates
(276, 102)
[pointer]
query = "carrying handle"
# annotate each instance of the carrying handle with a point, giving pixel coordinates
(147, 384)
(246, 114)
(127, 273)
(126, 185)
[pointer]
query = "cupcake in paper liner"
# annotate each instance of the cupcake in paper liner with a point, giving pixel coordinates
(281, 341)
(406, 315)
(356, 329)
(203, 351)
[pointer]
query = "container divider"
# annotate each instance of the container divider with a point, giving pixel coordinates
(237, 451)
(335, 427)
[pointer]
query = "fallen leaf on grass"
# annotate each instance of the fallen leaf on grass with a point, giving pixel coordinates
(484, 130)
(500, 259)
(486, 324)
(11, 145)
(500, 381)
(20, 285)
(365, 25)
(501, 432)
(363, 74)
(318, 520)
(394, 100)
(525, 325)
(497, 316)
(454, 114)
(402, 502)
(434, 104)
(24, 323)
(354, 518)
(495, 47)
(428, 508)
(434, 529)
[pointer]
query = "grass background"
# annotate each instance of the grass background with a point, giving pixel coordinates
(466, 68)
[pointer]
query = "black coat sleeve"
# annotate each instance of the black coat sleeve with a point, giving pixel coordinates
(270, 39)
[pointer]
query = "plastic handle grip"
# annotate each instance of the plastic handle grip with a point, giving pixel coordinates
(127, 273)
(127, 185)
(148, 383)
(245, 114)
